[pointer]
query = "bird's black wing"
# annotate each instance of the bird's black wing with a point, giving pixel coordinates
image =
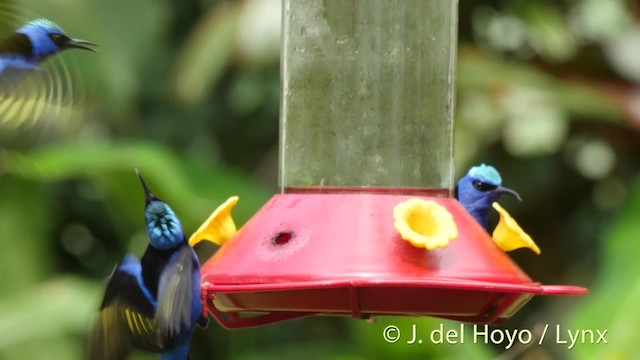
(173, 313)
(17, 44)
(127, 317)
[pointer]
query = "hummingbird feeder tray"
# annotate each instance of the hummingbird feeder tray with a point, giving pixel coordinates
(339, 254)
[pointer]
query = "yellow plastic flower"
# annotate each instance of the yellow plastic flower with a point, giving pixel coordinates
(424, 223)
(508, 235)
(219, 227)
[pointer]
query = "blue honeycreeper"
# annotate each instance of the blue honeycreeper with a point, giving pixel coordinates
(152, 304)
(480, 188)
(21, 51)
(26, 92)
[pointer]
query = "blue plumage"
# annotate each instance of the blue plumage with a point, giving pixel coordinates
(163, 226)
(33, 43)
(478, 189)
(152, 304)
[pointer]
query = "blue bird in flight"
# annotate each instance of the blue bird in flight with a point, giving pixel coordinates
(33, 43)
(151, 304)
(27, 92)
(480, 188)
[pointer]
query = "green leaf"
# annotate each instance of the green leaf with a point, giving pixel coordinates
(51, 311)
(206, 53)
(482, 71)
(192, 188)
(612, 304)
(25, 224)
(548, 31)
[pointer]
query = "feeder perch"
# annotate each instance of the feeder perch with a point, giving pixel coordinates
(366, 124)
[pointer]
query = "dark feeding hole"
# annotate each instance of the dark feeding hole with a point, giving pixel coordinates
(282, 238)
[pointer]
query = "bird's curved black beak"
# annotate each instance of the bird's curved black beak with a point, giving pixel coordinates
(80, 44)
(147, 193)
(504, 190)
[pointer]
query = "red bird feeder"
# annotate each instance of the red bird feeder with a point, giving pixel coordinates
(366, 124)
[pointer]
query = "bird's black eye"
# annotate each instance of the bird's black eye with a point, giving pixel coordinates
(481, 186)
(59, 39)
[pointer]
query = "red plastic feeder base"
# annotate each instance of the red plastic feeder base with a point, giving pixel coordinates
(339, 254)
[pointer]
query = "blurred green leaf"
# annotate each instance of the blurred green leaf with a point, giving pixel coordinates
(25, 225)
(612, 304)
(548, 32)
(192, 188)
(601, 21)
(259, 32)
(294, 351)
(206, 53)
(46, 315)
(479, 70)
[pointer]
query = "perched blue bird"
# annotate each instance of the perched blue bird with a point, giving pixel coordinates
(152, 304)
(27, 92)
(480, 188)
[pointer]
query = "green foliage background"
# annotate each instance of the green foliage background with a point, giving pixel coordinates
(187, 91)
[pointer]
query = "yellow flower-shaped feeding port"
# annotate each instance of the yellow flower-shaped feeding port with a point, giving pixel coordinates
(424, 223)
(508, 235)
(219, 227)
